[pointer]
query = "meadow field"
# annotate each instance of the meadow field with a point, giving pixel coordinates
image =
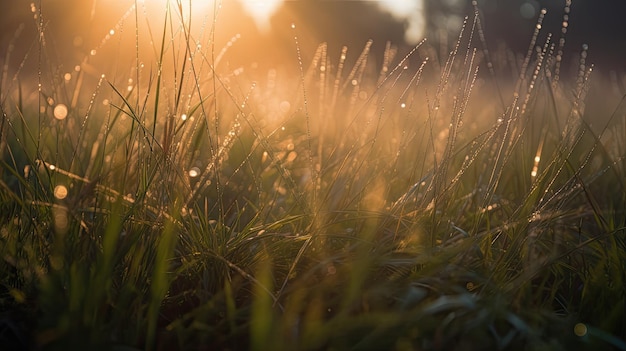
(167, 190)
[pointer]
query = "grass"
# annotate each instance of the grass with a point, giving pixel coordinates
(426, 203)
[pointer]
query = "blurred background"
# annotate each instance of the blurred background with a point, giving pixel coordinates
(75, 27)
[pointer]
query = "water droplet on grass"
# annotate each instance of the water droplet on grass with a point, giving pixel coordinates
(60, 192)
(580, 329)
(194, 172)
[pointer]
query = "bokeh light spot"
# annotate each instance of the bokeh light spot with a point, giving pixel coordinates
(60, 112)
(528, 10)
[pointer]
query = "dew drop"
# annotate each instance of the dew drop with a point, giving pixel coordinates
(67, 77)
(194, 172)
(60, 112)
(293, 26)
(183, 117)
(60, 192)
(580, 329)
(402, 105)
(93, 52)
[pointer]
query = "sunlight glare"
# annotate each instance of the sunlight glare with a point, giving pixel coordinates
(196, 7)
(411, 12)
(261, 11)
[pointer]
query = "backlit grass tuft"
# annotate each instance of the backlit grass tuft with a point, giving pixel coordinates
(170, 201)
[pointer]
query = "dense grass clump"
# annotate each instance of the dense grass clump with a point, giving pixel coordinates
(428, 202)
